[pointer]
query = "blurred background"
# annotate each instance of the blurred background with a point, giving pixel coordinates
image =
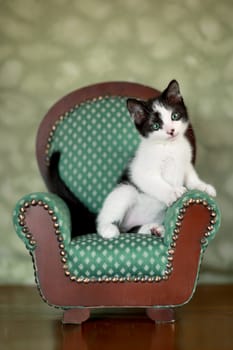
(49, 48)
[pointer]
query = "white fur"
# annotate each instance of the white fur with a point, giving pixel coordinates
(163, 171)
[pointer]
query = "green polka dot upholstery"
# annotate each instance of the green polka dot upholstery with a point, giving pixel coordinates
(55, 203)
(96, 140)
(130, 256)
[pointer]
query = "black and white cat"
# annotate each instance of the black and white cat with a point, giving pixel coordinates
(160, 172)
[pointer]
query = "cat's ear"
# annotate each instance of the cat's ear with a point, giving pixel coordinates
(172, 92)
(136, 109)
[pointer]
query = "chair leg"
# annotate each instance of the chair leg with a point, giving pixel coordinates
(161, 315)
(76, 316)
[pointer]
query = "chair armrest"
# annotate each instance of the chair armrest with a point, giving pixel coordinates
(53, 205)
(176, 212)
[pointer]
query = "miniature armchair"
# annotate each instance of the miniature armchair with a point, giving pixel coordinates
(77, 271)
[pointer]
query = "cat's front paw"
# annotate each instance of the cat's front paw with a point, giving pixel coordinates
(209, 189)
(175, 194)
(152, 229)
(109, 231)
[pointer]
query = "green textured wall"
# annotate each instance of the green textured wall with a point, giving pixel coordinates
(48, 48)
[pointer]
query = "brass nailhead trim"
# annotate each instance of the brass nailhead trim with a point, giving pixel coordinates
(29, 236)
(21, 221)
(212, 221)
(32, 242)
(21, 217)
(178, 224)
(25, 230)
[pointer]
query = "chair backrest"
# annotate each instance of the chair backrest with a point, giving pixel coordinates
(93, 131)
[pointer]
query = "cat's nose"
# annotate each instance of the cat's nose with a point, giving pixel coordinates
(171, 132)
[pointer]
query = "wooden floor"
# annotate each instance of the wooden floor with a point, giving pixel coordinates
(205, 323)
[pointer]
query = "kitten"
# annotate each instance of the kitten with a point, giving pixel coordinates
(160, 172)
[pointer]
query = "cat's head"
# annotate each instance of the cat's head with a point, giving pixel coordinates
(162, 118)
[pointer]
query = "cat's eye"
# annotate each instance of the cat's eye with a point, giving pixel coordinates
(156, 126)
(175, 116)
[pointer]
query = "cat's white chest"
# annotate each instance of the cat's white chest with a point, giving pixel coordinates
(168, 160)
(172, 168)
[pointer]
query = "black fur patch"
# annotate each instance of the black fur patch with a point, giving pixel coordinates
(145, 117)
(82, 219)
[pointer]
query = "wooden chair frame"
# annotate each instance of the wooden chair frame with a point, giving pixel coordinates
(41, 227)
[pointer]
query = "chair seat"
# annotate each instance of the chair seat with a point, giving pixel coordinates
(129, 257)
